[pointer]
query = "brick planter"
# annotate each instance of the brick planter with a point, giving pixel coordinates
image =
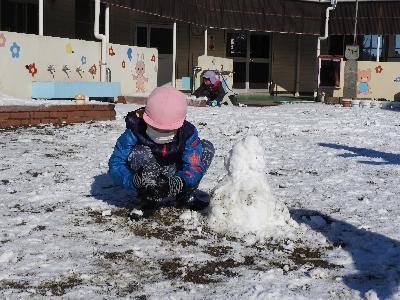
(15, 116)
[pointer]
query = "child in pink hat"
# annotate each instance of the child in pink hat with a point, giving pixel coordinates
(160, 154)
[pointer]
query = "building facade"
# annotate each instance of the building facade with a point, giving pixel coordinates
(285, 61)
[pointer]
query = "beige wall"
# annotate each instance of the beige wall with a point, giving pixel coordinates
(377, 82)
(380, 80)
(16, 80)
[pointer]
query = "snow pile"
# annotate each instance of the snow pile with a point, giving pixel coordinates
(242, 204)
(8, 257)
(9, 100)
(6, 100)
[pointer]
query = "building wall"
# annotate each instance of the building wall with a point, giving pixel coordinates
(376, 80)
(308, 63)
(60, 21)
(121, 30)
(190, 46)
(26, 58)
(190, 39)
(391, 49)
(284, 62)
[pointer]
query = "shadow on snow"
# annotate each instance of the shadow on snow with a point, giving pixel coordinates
(103, 188)
(375, 257)
(389, 158)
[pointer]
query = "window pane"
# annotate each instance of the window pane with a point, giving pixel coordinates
(398, 41)
(259, 46)
(258, 75)
(161, 38)
(236, 44)
(373, 53)
(397, 53)
(366, 41)
(239, 75)
(374, 40)
(141, 38)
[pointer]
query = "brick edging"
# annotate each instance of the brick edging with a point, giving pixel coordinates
(15, 116)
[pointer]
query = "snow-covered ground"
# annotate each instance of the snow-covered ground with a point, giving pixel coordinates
(64, 228)
(6, 100)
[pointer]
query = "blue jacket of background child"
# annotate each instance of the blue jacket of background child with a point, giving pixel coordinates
(185, 151)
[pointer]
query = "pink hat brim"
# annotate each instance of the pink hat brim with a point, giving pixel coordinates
(154, 124)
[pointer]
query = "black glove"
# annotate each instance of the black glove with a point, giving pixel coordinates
(166, 187)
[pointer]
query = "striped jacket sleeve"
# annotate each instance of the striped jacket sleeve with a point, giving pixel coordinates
(118, 163)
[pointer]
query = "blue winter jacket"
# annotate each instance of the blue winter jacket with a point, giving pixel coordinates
(185, 151)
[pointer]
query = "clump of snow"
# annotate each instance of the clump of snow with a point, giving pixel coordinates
(242, 204)
(8, 257)
(371, 295)
(106, 213)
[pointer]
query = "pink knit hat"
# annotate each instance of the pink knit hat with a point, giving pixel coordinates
(165, 109)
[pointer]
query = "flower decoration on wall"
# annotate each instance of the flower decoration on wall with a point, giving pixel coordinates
(153, 58)
(130, 54)
(123, 64)
(111, 51)
(32, 69)
(3, 40)
(83, 60)
(68, 48)
(93, 70)
(379, 69)
(15, 50)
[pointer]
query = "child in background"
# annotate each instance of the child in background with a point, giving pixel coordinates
(160, 154)
(211, 88)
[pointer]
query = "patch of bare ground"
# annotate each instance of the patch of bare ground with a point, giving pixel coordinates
(56, 287)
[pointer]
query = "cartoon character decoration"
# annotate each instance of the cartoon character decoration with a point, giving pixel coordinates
(139, 77)
(364, 77)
